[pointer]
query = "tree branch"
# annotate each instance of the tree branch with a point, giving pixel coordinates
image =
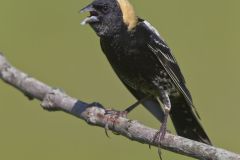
(54, 99)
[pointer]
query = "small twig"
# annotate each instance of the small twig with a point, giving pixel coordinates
(54, 99)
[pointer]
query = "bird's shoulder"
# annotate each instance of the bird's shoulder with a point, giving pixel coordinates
(153, 38)
(155, 43)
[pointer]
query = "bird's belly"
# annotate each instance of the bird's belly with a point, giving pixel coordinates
(139, 74)
(149, 85)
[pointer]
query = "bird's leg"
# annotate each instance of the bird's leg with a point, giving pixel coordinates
(159, 136)
(116, 114)
(125, 112)
(130, 108)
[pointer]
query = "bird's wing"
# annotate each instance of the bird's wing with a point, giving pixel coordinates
(160, 49)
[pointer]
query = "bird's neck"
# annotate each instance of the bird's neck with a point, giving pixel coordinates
(119, 37)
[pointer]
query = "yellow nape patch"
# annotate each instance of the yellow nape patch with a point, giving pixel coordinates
(129, 16)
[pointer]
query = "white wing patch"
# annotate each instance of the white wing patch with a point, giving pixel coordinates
(159, 43)
(152, 28)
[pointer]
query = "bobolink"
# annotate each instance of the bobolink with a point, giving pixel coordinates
(144, 63)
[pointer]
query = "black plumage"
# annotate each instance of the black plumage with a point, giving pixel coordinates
(144, 63)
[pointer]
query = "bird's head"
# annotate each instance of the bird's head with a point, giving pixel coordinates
(109, 17)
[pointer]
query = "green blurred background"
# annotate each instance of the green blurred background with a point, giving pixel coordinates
(44, 38)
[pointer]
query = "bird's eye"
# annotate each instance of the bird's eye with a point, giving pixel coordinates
(105, 8)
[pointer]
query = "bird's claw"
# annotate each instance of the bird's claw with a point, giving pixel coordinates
(106, 130)
(158, 137)
(113, 115)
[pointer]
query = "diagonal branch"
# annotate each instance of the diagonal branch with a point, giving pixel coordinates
(94, 114)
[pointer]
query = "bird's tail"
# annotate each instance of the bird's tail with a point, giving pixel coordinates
(186, 121)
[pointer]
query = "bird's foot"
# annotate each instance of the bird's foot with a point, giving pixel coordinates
(113, 115)
(158, 137)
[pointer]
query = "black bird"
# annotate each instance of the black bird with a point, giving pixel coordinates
(144, 63)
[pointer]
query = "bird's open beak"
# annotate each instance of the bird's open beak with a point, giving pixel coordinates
(93, 15)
